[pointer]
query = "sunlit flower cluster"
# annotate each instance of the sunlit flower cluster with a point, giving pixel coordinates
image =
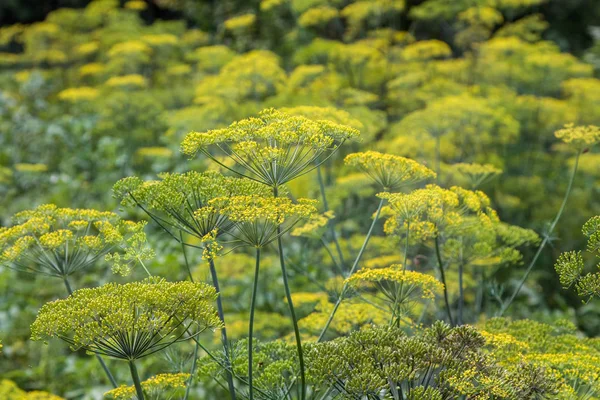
(128, 321)
(61, 241)
(273, 148)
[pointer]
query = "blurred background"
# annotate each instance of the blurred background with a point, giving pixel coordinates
(93, 91)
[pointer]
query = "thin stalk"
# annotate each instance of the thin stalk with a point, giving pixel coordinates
(506, 305)
(461, 295)
(136, 380)
(330, 223)
(443, 278)
(192, 372)
(288, 296)
(251, 324)
(109, 375)
(221, 313)
(352, 270)
(399, 292)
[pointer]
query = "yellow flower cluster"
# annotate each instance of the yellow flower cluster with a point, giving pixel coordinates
(157, 387)
(91, 69)
(477, 174)
(240, 23)
(427, 284)
(133, 80)
(150, 315)
(60, 241)
(83, 93)
(257, 218)
(426, 50)
(10, 391)
(127, 48)
(580, 137)
(314, 227)
(164, 39)
(274, 210)
(317, 16)
(389, 171)
(275, 147)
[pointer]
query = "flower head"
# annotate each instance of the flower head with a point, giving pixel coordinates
(61, 241)
(389, 171)
(181, 201)
(274, 147)
(128, 321)
(426, 284)
(579, 137)
(260, 220)
(157, 387)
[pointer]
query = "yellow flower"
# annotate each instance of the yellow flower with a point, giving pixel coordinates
(427, 284)
(389, 171)
(83, 93)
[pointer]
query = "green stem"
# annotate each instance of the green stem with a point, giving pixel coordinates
(251, 324)
(330, 223)
(352, 270)
(109, 375)
(506, 305)
(221, 313)
(399, 292)
(461, 295)
(136, 380)
(443, 279)
(144, 266)
(288, 296)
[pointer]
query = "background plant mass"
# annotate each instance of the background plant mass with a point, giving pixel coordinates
(299, 199)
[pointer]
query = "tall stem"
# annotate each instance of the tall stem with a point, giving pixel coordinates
(438, 255)
(251, 323)
(399, 292)
(224, 339)
(330, 224)
(109, 375)
(461, 295)
(506, 305)
(136, 380)
(352, 270)
(288, 296)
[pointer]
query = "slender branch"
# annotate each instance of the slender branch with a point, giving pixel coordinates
(352, 270)
(330, 223)
(443, 278)
(221, 313)
(506, 305)
(288, 295)
(251, 324)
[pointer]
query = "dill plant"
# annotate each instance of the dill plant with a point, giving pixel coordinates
(131, 321)
(61, 242)
(274, 148)
(181, 205)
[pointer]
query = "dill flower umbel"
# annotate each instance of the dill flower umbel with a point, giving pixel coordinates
(579, 137)
(161, 386)
(61, 241)
(272, 148)
(426, 284)
(82, 93)
(389, 171)
(260, 220)
(128, 321)
(180, 202)
(476, 174)
(378, 360)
